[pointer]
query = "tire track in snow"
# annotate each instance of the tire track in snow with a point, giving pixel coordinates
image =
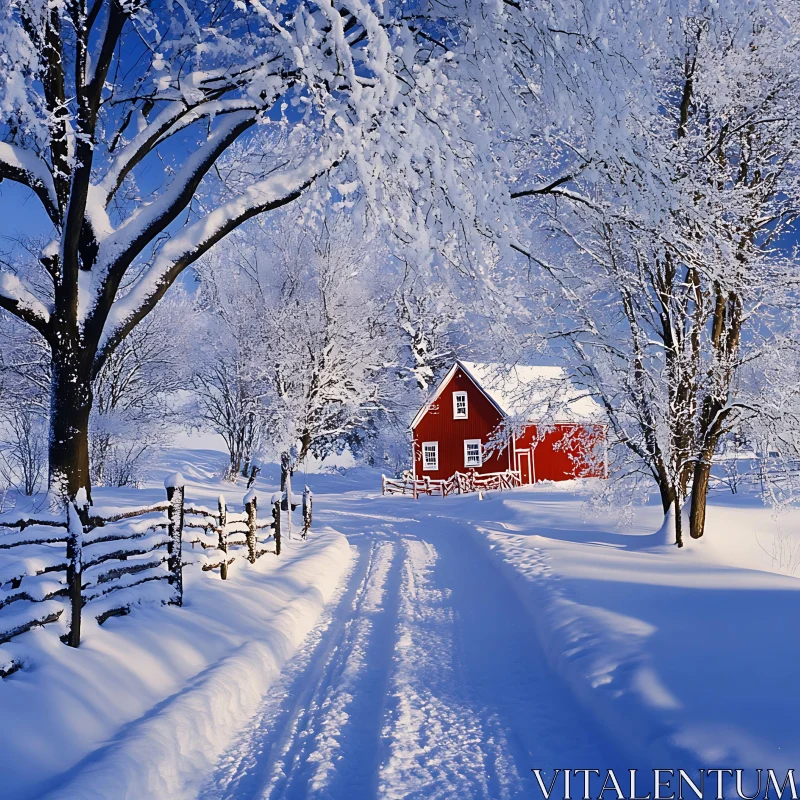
(237, 771)
(323, 738)
(425, 681)
(441, 744)
(291, 749)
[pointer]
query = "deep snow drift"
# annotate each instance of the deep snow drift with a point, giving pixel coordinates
(687, 657)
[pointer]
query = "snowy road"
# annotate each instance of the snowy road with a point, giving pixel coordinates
(422, 679)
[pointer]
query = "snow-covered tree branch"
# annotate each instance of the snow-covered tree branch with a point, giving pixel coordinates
(116, 116)
(665, 274)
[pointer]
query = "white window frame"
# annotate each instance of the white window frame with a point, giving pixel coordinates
(425, 467)
(456, 415)
(480, 452)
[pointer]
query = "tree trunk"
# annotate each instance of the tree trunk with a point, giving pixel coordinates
(305, 446)
(70, 405)
(697, 514)
(236, 461)
(678, 517)
(285, 468)
(667, 496)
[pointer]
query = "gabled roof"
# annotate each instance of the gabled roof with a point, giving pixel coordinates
(440, 388)
(529, 392)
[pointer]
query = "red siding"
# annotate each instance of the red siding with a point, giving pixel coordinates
(561, 453)
(438, 425)
(558, 456)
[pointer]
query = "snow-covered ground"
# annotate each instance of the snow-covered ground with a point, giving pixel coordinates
(462, 643)
(687, 657)
(424, 680)
(148, 699)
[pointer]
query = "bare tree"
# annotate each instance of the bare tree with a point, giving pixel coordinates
(429, 316)
(23, 452)
(137, 392)
(303, 351)
(232, 405)
(116, 115)
(675, 296)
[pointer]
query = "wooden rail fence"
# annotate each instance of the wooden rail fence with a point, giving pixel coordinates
(102, 561)
(459, 483)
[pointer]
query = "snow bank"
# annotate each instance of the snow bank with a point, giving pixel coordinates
(180, 681)
(597, 652)
(684, 657)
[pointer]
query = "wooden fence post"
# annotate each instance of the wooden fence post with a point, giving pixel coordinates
(306, 511)
(289, 504)
(251, 508)
(223, 537)
(75, 521)
(174, 484)
(276, 524)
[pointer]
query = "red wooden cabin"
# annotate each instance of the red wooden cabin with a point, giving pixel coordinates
(557, 429)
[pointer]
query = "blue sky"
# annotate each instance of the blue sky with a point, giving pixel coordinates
(21, 214)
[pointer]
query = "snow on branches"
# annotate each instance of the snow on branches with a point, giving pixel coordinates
(657, 228)
(302, 356)
(115, 114)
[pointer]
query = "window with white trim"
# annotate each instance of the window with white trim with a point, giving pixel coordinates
(473, 453)
(430, 456)
(459, 405)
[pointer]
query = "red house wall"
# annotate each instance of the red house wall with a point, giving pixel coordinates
(559, 455)
(438, 425)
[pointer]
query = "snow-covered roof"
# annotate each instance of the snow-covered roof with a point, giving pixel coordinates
(528, 392)
(534, 392)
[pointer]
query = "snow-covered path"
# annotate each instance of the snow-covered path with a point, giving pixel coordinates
(422, 679)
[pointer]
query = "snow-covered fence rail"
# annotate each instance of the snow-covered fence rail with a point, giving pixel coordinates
(58, 567)
(225, 535)
(35, 552)
(458, 483)
(101, 561)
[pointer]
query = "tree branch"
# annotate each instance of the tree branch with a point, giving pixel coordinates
(118, 251)
(541, 189)
(23, 166)
(19, 300)
(196, 239)
(173, 118)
